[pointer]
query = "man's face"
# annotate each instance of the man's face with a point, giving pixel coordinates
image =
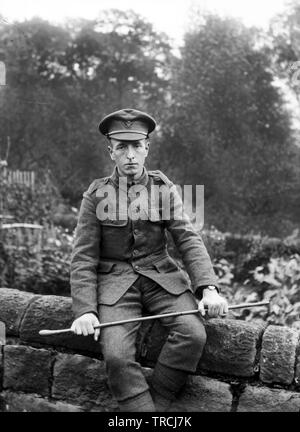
(129, 156)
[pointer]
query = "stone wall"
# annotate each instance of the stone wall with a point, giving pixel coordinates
(245, 366)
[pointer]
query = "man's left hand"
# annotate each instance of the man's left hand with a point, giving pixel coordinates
(216, 305)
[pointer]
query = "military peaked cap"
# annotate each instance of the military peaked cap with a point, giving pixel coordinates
(127, 125)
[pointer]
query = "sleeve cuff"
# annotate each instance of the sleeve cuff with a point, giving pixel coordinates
(199, 290)
(79, 314)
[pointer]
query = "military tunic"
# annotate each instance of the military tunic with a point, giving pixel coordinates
(109, 255)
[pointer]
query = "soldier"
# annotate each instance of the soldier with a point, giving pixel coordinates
(120, 265)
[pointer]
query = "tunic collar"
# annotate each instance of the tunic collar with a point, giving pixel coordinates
(143, 180)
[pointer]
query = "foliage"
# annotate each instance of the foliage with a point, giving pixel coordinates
(215, 242)
(274, 273)
(29, 205)
(228, 121)
(258, 268)
(62, 80)
(246, 252)
(215, 102)
(223, 270)
(285, 37)
(279, 282)
(284, 47)
(46, 272)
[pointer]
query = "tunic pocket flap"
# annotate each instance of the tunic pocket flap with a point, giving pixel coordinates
(105, 267)
(114, 223)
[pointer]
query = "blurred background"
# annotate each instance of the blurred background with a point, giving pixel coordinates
(220, 78)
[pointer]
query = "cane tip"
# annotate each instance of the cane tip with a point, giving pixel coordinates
(44, 332)
(265, 302)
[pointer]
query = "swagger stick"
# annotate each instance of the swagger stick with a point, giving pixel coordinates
(146, 318)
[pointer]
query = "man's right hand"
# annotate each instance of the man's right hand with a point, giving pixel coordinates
(84, 325)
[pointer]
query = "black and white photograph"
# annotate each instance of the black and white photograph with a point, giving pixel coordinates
(149, 209)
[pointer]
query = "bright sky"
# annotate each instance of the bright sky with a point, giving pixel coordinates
(170, 16)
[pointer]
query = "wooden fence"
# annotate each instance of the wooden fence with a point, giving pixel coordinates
(16, 176)
(2, 74)
(22, 236)
(31, 237)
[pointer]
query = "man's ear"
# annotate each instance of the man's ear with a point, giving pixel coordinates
(147, 145)
(110, 150)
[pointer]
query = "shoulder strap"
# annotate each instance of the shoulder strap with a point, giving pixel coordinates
(95, 185)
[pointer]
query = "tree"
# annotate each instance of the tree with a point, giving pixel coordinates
(62, 80)
(228, 122)
(284, 36)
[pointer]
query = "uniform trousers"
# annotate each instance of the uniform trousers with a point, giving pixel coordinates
(178, 357)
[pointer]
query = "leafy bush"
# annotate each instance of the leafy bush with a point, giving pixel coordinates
(249, 269)
(26, 266)
(261, 251)
(277, 281)
(236, 294)
(215, 242)
(47, 273)
(43, 272)
(29, 205)
(246, 252)
(223, 270)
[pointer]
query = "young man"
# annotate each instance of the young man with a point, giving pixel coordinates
(120, 264)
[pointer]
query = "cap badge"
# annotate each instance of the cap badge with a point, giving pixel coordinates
(128, 124)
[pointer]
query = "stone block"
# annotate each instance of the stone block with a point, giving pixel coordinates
(297, 371)
(13, 304)
(19, 402)
(81, 380)
(231, 347)
(27, 369)
(54, 312)
(202, 394)
(1, 367)
(278, 355)
(262, 399)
